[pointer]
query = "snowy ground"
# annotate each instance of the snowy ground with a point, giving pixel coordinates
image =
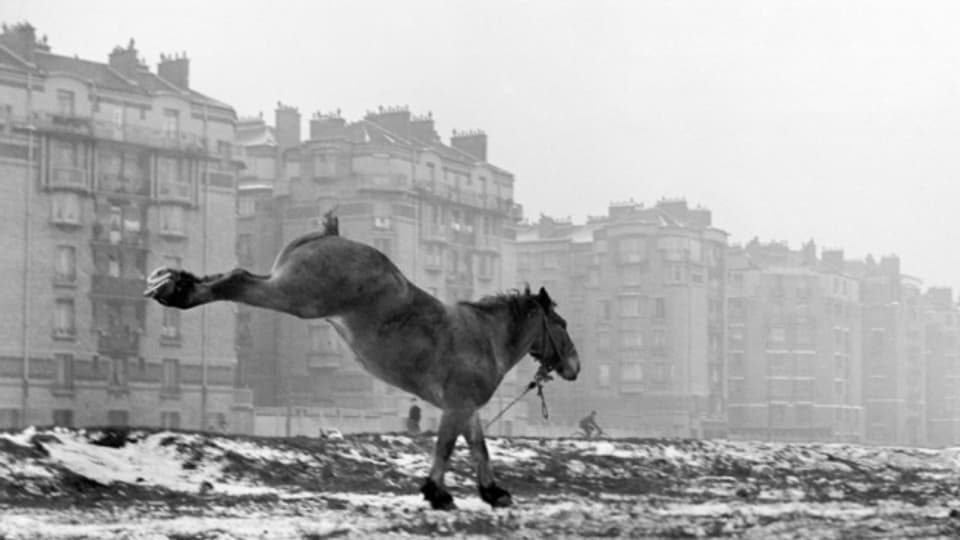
(163, 484)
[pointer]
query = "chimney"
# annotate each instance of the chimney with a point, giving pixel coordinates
(325, 126)
(287, 124)
(471, 142)
(422, 127)
(833, 259)
(21, 38)
(175, 69)
(809, 252)
(394, 119)
(126, 60)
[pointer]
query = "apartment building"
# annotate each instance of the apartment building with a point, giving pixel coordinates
(794, 344)
(942, 341)
(894, 367)
(643, 290)
(110, 170)
(441, 211)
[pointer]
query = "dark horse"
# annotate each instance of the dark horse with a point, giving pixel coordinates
(452, 356)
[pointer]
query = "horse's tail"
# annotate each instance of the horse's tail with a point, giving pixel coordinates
(331, 225)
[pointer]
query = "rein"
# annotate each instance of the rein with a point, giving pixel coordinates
(540, 378)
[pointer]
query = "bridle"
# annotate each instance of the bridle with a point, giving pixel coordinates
(542, 376)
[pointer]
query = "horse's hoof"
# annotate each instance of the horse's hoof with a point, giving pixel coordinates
(167, 286)
(496, 496)
(440, 499)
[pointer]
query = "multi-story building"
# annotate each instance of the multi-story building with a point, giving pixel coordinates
(110, 170)
(643, 289)
(793, 356)
(894, 372)
(441, 212)
(942, 342)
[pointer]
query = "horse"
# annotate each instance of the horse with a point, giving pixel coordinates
(453, 356)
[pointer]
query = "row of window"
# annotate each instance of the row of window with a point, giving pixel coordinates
(67, 208)
(118, 371)
(111, 319)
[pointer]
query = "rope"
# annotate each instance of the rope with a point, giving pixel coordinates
(541, 378)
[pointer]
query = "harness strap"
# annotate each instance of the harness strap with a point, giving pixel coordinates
(539, 379)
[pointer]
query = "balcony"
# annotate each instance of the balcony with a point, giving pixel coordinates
(68, 178)
(178, 192)
(155, 138)
(488, 242)
(105, 235)
(62, 123)
(434, 232)
(116, 183)
(383, 182)
(631, 387)
(120, 341)
(117, 287)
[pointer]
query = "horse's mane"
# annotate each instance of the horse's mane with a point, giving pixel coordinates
(516, 300)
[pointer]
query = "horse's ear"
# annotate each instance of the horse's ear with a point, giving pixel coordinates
(543, 298)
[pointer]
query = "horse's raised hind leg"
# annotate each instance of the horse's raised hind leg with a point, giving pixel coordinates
(490, 492)
(452, 423)
(181, 289)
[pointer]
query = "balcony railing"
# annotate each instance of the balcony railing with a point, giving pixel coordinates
(102, 285)
(147, 136)
(103, 234)
(123, 184)
(119, 341)
(175, 191)
(72, 178)
(488, 242)
(386, 182)
(61, 123)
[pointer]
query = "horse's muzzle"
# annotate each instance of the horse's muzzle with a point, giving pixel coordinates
(570, 368)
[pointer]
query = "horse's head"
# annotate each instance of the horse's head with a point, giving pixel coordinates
(553, 347)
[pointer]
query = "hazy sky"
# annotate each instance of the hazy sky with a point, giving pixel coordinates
(838, 121)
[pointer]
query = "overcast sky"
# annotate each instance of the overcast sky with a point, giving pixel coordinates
(837, 121)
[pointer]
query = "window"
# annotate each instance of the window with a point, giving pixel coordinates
(66, 265)
(603, 376)
(170, 419)
(660, 308)
(803, 390)
(170, 327)
(737, 388)
(65, 208)
(118, 418)
(659, 340)
(118, 371)
(551, 259)
(778, 414)
(171, 123)
(382, 223)
(736, 363)
(804, 332)
(65, 103)
(605, 312)
(63, 417)
(246, 206)
(171, 374)
(662, 372)
(631, 340)
(64, 370)
(63, 318)
(630, 306)
(776, 334)
(245, 249)
(631, 371)
(171, 220)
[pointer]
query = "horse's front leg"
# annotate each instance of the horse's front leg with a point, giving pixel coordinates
(490, 492)
(452, 424)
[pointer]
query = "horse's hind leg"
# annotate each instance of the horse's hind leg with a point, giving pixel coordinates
(181, 289)
(490, 492)
(452, 424)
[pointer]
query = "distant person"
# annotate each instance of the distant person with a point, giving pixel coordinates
(590, 426)
(413, 418)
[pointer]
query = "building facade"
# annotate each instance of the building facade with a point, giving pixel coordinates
(110, 170)
(643, 290)
(794, 345)
(442, 213)
(942, 341)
